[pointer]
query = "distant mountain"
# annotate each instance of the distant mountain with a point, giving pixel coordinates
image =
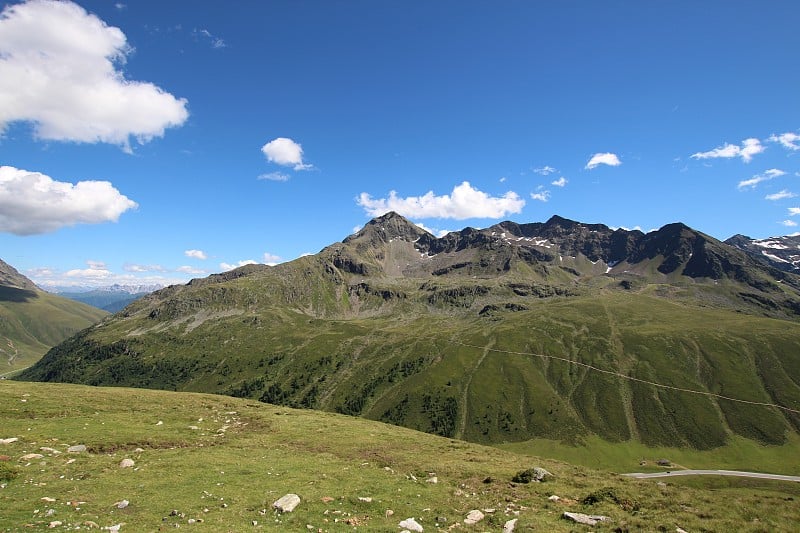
(779, 252)
(112, 299)
(555, 329)
(32, 321)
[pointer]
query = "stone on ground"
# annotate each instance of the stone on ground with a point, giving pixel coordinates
(287, 504)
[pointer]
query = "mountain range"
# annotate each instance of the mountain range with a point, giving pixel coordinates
(112, 298)
(557, 330)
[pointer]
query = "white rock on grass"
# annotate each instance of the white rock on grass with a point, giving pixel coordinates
(126, 463)
(509, 526)
(29, 456)
(78, 448)
(411, 525)
(586, 519)
(8, 440)
(287, 504)
(473, 517)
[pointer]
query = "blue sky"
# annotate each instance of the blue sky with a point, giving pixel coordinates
(153, 142)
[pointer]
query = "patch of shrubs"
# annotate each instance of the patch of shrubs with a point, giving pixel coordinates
(607, 493)
(7, 472)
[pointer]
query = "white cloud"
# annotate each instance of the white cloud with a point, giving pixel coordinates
(59, 71)
(560, 182)
(228, 266)
(129, 267)
(31, 202)
(788, 140)
(215, 41)
(286, 152)
(196, 254)
(780, 195)
(274, 176)
(606, 158)
(433, 231)
(794, 211)
(789, 223)
(542, 195)
(464, 202)
(272, 259)
(97, 271)
(190, 270)
(545, 170)
(759, 178)
(746, 151)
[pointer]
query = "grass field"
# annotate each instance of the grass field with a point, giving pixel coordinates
(216, 463)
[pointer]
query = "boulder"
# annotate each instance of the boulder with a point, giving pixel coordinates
(509, 526)
(586, 519)
(287, 504)
(473, 517)
(411, 525)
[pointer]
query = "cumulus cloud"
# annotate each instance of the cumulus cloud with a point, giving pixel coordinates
(464, 202)
(97, 270)
(196, 254)
(759, 178)
(560, 182)
(787, 140)
(32, 203)
(541, 195)
(284, 151)
(789, 223)
(228, 266)
(794, 211)
(605, 158)
(545, 170)
(746, 151)
(272, 259)
(59, 71)
(780, 195)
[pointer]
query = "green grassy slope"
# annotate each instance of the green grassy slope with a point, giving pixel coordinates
(33, 321)
(559, 368)
(219, 463)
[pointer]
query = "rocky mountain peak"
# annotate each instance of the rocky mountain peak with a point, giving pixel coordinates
(388, 227)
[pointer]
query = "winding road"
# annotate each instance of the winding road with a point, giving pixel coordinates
(735, 473)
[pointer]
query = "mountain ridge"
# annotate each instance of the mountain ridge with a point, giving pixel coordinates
(379, 325)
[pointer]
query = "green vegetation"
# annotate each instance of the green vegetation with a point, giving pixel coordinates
(670, 340)
(524, 375)
(33, 321)
(224, 461)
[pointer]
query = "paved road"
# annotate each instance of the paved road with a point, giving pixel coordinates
(735, 473)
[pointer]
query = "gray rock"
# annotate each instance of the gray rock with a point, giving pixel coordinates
(287, 504)
(473, 517)
(586, 519)
(78, 448)
(509, 526)
(126, 463)
(540, 474)
(411, 525)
